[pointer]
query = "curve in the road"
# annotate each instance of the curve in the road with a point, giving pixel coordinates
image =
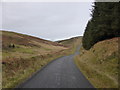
(61, 73)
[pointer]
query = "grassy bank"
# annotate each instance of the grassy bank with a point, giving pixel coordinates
(23, 55)
(20, 69)
(100, 64)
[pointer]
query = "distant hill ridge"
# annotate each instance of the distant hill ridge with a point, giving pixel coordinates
(22, 39)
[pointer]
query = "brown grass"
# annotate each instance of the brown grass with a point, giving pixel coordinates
(100, 63)
(29, 55)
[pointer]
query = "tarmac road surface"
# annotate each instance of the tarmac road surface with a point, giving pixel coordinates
(61, 73)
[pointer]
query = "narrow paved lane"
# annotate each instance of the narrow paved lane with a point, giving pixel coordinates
(61, 73)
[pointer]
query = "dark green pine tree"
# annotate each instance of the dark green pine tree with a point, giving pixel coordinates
(104, 24)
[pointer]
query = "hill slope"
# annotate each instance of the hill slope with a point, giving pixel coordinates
(68, 42)
(72, 43)
(22, 55)
(19, 45)
(100, 63)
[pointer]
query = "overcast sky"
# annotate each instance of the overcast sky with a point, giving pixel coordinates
(51, 21)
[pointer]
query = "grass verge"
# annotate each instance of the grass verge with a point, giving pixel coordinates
(100, 64)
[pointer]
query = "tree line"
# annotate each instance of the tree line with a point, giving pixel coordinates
(104, 23)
